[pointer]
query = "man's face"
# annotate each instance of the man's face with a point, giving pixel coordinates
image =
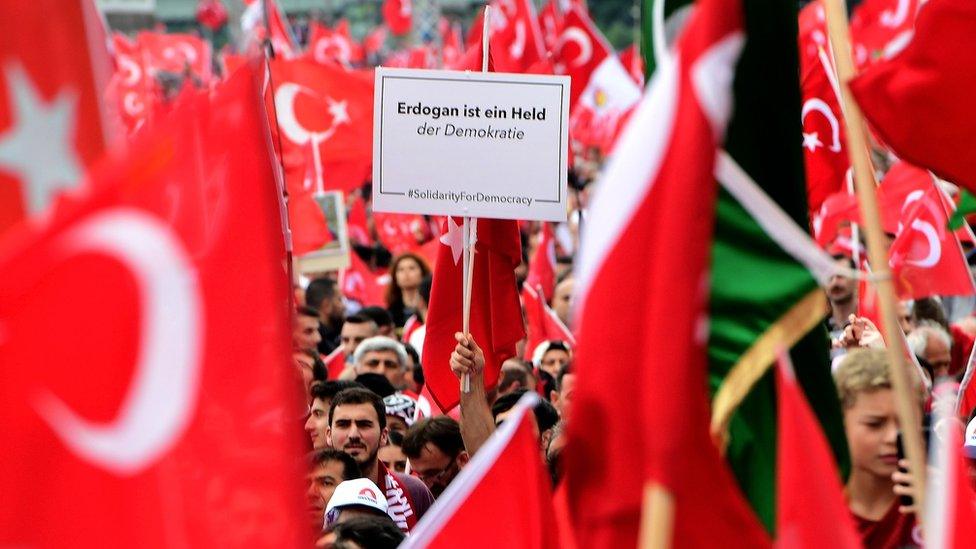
(354, 334)
(322, 482)
(553, 360)
(904, 317)
(871, 425)
(356, 431)
(333, 310)
(937, 354)
(305, 335)
(317, 424)
(393, 458)
(562, 299)
(436, 468)
(382, 362)
(563, 399)
(840, 289)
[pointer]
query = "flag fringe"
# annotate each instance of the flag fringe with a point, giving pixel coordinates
(753, 364)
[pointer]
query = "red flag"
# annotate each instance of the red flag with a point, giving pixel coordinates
(881, 28)
(309, 228)
(926, 257)
(516, 39)
(551, 22)
(920, 101)
(966, 399)
(809, 514)
(496, 314)
(359, 283)
(580, 50)
(398, 15)
(632, 60)
(373, 42)
(327, 46)
(506, 481)
(542, 322)
(52, 120)
(335, 362)
(119, 412)
(824, 145)
(333, 110)
(358, 224)
(656, 186)
(451, 48)
(252, 23)
(950, 514)
(132, 88)
(837, 209)
(175, 53)
(400, 232)
(542, 266)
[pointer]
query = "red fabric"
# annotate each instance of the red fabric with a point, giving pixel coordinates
(400, 232)
(47, 41)
(579, 37)
(551, 22)
(541, 322)
(808, 514)
(282, 39)
(327, 105)
(516, 39)
(926, 258)
(920, 101)
(309, 228)
(496, 314)
(175, 53)
(358, 224)
(542, 266)
(879, 29)
(335, 362)
(962, 347)
(666, 441)
(398, 15)
(358, 282)
(894, 530)
(373, 42)
(632, 60)
(211, 14)
(327, 45)
(451, 47)
(960, 518)
(511, 487)
(824, 143)
(836, 210)
(901, 180)
(174, 274)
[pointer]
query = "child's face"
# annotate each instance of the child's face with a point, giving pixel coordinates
(871, 425)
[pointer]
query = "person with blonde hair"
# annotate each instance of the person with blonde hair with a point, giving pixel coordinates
(878, 477)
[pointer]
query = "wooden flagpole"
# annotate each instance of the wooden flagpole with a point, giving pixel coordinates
(469, 229)
(864, 183)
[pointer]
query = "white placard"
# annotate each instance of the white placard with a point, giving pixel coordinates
(474, 144)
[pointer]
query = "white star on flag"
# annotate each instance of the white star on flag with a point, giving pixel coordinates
(37, 146)
(811, 141)
(453, 238)
(338, 111)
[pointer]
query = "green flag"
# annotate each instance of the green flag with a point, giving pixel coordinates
(761, 296)
(966, 206)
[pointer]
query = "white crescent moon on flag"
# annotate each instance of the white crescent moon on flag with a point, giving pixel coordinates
(132, 105)
(819, 105)
(131, 69)
(927, 229)
(162, 397)
(518, 45)
(285, 107)
(576, 34)
(895, 18)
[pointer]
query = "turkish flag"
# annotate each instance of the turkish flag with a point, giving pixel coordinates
(579, 51)
(551, 22)
(881, 28)
(358, 225)
(920, 103)
(516, 39)
(451, 48)
(633, 61)
(632, 256)
(277, 30)
(950, 514)
(309, 228)
(926, 257)
(496, 314)
(824, 144)
(335, 362)
(374, 40)
(330, 108)
(175, 53)
(837, 209)
(358, 282)
(400, 233)
(542, 266)
(136, 413)
(135, 92)
(808, 514)
(506, 481)
(53, 67)
(327, 46)
(541, 321)
(398, 15)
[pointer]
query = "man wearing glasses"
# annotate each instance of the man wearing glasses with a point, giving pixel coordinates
(382, 355)
(436, 452)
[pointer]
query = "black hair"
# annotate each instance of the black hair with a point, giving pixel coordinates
(360, 318)
(563, 372)
(327, 390)
(305, 310)
(379, 315)
(441, 431)
(359, 395)
(396, 438)
(367, 532)
(545, 414)
(318, 291)
(350, 469)
(426, 283)
(376, 383)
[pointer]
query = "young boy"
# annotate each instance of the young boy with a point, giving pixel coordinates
(872, 428)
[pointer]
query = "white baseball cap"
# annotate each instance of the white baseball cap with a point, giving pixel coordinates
(359, 491)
